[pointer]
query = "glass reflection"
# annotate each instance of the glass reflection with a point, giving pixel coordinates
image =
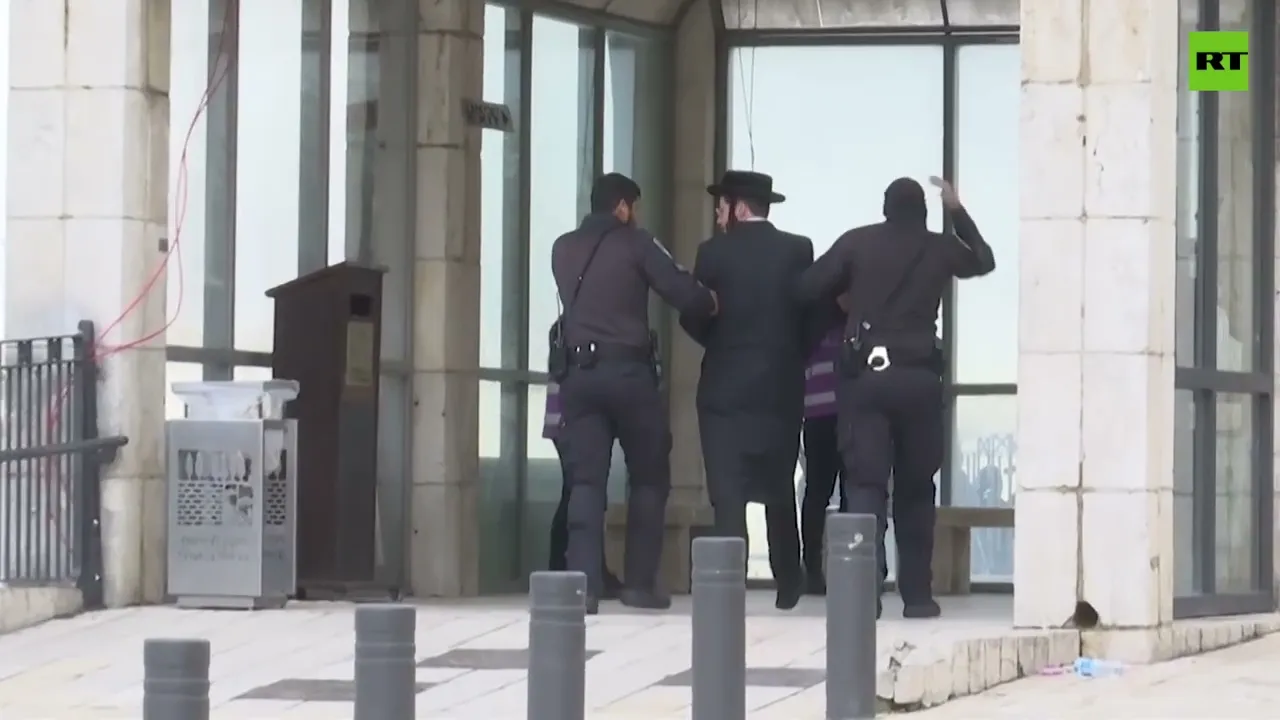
(988, 89)
(984, 474)
(1237, 336)
(813, 168)
(500, 192)
(267, 157)
(1235, 544)
(562, 157)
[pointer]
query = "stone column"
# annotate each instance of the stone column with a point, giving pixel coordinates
(87, 192)
(694, 145)
(1095, 388)
(444, 546)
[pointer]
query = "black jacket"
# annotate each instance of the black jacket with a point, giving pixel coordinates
(758, 344)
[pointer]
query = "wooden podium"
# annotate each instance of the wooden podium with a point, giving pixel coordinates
(328, 335)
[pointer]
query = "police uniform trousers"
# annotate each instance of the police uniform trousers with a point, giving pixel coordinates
(823, 466)
(615, 399)
(560, 528)
(752, 458)
(893, 419)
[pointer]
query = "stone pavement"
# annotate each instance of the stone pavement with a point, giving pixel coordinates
(297, 662)
(1239, 682)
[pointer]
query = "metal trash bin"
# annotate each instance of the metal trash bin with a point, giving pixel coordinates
(232, 487)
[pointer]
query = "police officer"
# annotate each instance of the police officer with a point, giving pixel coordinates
(601, 353)
(890, 393)
(560, 520)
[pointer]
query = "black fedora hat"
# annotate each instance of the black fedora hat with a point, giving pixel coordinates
(747, 185)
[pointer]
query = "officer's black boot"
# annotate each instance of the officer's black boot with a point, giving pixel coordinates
(915, 563)
(593, 604)
(644, 599)
(790, 591)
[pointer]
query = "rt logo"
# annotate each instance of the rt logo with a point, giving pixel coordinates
(1219, 61)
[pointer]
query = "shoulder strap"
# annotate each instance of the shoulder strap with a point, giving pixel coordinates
(577, 286)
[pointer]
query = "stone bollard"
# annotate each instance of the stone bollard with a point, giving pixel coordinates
(853, 577)
(176, 680)
(557, 646)
(385, 673)
(719, 629)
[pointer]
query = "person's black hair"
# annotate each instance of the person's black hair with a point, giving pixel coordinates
(904, 202)
(759, 208)
(611, 189)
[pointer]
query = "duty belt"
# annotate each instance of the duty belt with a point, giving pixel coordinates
(590, 353)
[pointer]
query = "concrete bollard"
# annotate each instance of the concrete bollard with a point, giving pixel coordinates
(176, 680)
(853, 576)
(557, 646)
(719, 629)
(385, 674)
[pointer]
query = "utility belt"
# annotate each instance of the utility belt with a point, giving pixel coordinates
(588, 355)
(858, 355)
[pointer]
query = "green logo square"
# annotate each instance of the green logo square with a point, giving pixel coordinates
(1218, 61)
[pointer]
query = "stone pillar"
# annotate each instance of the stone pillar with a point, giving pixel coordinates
(694, 145)
(1094, 518)
(444, 546)
(87, 192)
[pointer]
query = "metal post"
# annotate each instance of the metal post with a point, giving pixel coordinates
(385, 674)
(719, 628)
(853, 578)
(557, 646)
(175, 682)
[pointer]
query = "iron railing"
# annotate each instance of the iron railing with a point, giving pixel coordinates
(51, 460)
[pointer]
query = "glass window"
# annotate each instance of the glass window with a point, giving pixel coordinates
(353, 106)
(1237, 339)
(1235, 528)
(500, 194)
(193, 143)
(983, 474)
(988, 86)
(499, 501)
(562, 158)
(813, 168)
(267, 157)
(1187, 221)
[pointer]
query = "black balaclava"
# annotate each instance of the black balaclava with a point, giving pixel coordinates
(904, 203)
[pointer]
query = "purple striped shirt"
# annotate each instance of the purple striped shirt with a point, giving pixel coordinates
(820, 378)
(551, 420)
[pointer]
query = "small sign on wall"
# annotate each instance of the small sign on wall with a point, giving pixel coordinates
(487, 115)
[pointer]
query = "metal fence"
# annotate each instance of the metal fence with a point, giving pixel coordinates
(51, 459)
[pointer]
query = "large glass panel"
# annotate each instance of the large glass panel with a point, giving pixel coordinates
(983, 474)
(544, 481)
(353, 125)
(988, 87)
(268, 143)
(1235, 518)
(192, 143)
(817, 14)
(1237, 338)
(1187, 222)
(1186, 531)
(562, 160)
(500, 195)
(834, 173)
(314, 137)
(635, 112)
(499, 506)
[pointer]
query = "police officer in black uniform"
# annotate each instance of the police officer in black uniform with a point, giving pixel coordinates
(890, 395)
(601, 352)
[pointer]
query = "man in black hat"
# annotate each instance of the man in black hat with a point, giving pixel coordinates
(751, 391)
(890, 395)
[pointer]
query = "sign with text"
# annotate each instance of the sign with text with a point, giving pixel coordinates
(487, 115)
(1219, 61)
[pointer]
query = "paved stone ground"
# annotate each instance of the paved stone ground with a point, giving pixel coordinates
(296, 663)
(1239, 682)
